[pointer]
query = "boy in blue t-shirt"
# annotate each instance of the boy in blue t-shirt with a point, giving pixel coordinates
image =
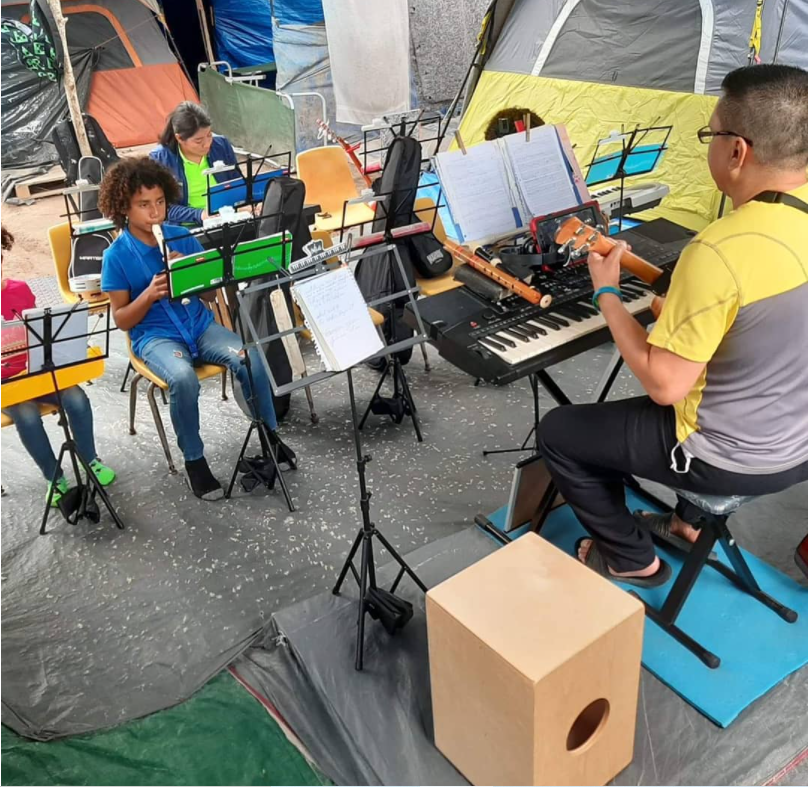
(170, 336)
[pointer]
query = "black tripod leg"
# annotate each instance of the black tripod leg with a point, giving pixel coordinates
(405, 386)
(400, 560)
(268, 448)
(346, 566)
(375, 395)
(51, 491)
(367, 556)
(534, 431)
(238, 461)
(94, 483)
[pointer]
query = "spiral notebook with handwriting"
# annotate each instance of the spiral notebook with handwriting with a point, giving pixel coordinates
(337, 316)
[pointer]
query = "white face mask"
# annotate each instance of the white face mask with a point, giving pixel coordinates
(687, 457)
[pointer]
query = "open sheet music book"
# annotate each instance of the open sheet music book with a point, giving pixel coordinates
(499, 185)
(338, 318)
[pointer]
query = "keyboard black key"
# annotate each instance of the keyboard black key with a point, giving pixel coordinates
(489, 343)
(534, 330)
(517, 334)
(568, 310)
(528, 330)
(552, 321)
(504, 339)
(587, 307)
(553, 326)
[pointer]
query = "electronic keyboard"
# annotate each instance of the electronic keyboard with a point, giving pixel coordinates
(635, 198)
(511, 339)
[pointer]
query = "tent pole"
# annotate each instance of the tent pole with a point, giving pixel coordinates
(71, 92)
(780, 32)
(481, 44)
(203, 23)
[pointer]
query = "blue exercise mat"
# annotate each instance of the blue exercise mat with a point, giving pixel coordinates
(757, 648)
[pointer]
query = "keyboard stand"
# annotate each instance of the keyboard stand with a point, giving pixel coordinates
(602, 392)
(534, 430)
(551, 386)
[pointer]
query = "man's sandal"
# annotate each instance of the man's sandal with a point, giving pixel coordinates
(596, 561)
(661, 525)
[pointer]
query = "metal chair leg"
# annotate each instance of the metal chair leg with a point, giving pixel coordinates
(427, 367)
(161, 432)
(129, 368)
(224, 386)
(133, 402)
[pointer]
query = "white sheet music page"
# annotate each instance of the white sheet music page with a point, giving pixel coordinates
(476, 187)
(540, 170)
(337, 315)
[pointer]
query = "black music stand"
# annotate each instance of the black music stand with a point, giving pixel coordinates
(79, 502)
(383, 605)
(401, 404)
(227, 245)
(636, 156)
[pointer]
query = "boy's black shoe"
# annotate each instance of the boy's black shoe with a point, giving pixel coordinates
(202, 482)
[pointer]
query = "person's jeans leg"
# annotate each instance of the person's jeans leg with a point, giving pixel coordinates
(220, 346)
(28, 422)
(171, 361)
(80, 417)
(589, 449)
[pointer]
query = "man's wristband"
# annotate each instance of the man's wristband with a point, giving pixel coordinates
(601, 291)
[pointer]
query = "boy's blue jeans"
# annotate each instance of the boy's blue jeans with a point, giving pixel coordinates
(28, 421)
(171, 361)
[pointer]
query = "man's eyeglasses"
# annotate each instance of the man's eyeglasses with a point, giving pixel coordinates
(706, 134)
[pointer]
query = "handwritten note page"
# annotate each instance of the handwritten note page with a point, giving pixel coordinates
(477, 191)
(541, 171)
(337, 315)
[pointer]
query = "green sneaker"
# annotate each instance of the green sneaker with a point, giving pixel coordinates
(106, 475)
(61, 488)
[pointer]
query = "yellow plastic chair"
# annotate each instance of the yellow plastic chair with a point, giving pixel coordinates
(142, 372)
(329, 183)
(425, 210)
(61, 251)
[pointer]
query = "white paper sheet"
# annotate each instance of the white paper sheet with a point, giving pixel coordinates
(540, 171)
(477, 191)
(337, 315)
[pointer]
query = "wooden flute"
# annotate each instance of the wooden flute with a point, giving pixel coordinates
(511, 283)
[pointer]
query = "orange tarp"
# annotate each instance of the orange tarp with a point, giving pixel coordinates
(132, 104)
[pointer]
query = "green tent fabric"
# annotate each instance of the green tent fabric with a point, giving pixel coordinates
(219, 736)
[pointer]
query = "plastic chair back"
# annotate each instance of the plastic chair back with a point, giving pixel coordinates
(328, 178)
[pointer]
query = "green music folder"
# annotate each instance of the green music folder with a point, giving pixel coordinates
(204, 270)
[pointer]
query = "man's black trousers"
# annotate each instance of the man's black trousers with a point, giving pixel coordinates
(591, 448)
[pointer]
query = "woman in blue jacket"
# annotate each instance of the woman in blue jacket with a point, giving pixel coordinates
(187, 148)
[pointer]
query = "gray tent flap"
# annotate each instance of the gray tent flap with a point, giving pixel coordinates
(523, 34)
(730, 45)
(785, 32)
(629, 44)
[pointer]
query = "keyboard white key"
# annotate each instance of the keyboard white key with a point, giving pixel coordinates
(526, 350)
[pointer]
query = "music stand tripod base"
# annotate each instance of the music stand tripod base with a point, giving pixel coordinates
(366, 576)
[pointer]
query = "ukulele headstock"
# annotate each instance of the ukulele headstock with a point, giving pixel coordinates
(576, 238)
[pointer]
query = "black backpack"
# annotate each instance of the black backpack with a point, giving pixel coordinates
(67, 147)
(285, 196)
(378, 275)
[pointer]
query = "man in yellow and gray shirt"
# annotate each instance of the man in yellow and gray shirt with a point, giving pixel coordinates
(726, 365)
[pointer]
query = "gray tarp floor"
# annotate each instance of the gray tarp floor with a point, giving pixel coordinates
(101, 626)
